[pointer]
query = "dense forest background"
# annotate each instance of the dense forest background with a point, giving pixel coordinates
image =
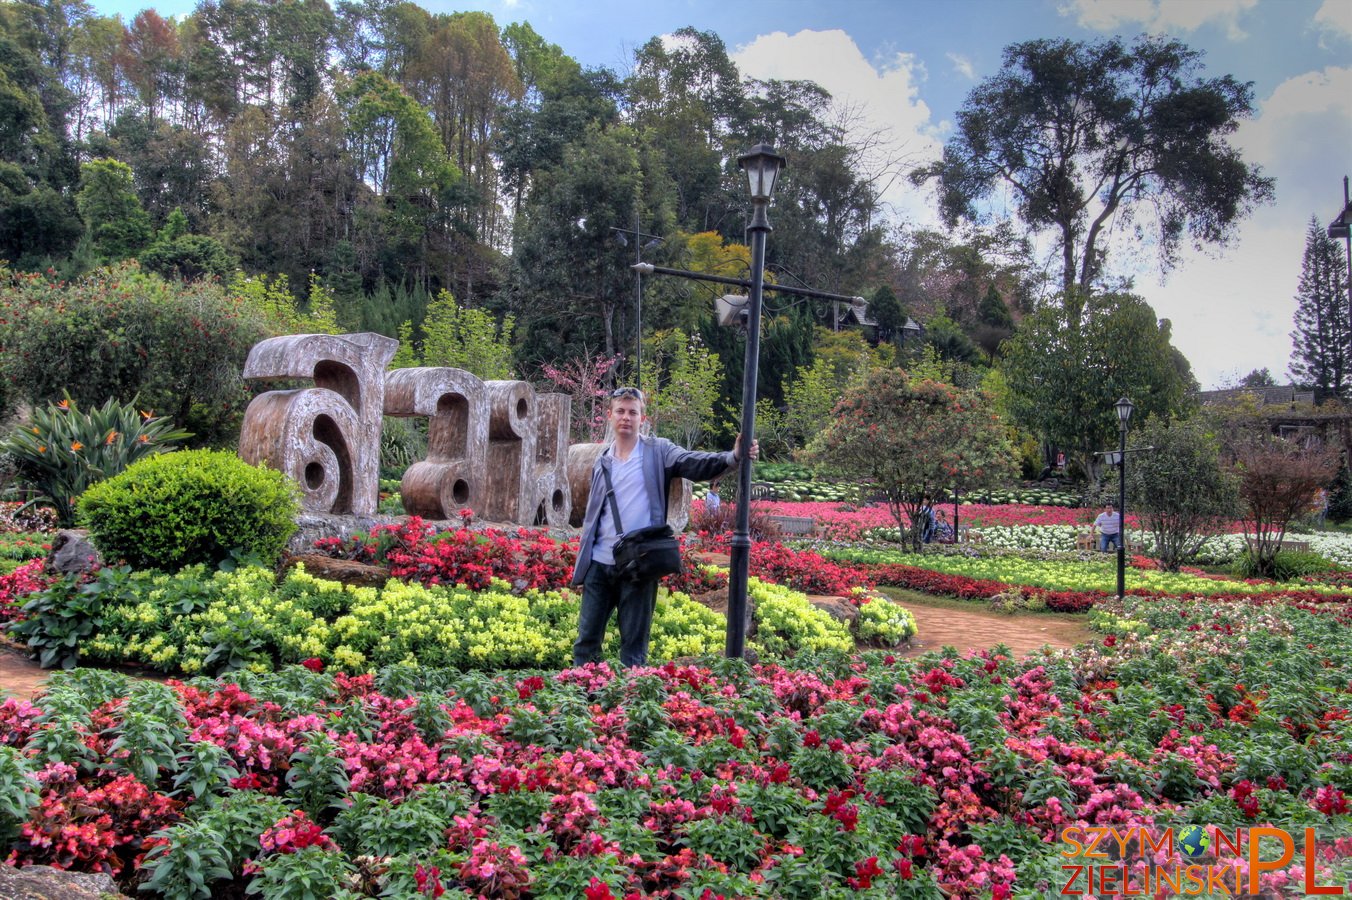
(455, 182)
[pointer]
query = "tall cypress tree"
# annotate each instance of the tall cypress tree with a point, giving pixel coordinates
(1321, 357)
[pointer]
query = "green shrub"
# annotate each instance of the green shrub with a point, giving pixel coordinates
(122, 333)
(1286, 565)
(62, 451)
(199, 506)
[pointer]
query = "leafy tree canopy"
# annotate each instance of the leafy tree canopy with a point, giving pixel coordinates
(913, 439)
(1178, 486)
(1066, 370)
(1083, 132)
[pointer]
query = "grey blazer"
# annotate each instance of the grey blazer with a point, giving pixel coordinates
(662, 461)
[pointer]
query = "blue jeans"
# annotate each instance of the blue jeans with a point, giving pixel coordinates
(1106, 539)
(633, 601)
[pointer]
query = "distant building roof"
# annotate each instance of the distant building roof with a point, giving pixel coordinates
(853, 313)
(1267, 395)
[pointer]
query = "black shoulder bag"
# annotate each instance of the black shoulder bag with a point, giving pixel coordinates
(644, 554)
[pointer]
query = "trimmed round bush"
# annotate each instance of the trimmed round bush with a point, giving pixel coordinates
(194, 506)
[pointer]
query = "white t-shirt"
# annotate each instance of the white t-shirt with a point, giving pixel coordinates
(1109, 523)
(631, 494)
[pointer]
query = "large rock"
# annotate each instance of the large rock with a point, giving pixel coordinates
(44, 883)
(72, 553)
(838, 608)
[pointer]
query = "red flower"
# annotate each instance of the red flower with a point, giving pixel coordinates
(314, 664)
(598, 890)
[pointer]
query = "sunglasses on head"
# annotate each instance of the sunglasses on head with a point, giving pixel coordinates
(630, 393)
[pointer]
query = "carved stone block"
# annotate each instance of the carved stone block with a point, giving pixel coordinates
(554, 499)
(326, 437)
(456, 405)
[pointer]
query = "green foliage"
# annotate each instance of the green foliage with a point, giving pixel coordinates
(955, 349)
(1069, 364)
(813, 393)
(175, 510)
(189, 258)
(469, 339)
(311, 873)
(884, 622)
(122, 334)
(1179, 487)
(316, 780)
(111, 210)
(1340, 495)
(1321, 355)
(271, 300)
(19, 791)
(887, 311)
(1286, 565)
(406, 357)
(1123, 104)
(192, 622)
(59, 619)
(62, 451)
(787, 624)
(913, 439)
(689, 375)
(178, 254)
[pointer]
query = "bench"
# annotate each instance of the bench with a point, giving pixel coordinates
(793, 525)
(1088, 540)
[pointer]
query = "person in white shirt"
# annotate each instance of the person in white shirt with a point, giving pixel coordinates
(1109, 527)
(641, 469)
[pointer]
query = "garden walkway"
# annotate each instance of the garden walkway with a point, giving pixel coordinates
(941, 626)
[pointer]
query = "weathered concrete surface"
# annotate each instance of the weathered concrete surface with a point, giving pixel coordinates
(326, 437)
(454, 475)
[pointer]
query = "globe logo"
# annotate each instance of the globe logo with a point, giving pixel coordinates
(1193, 840)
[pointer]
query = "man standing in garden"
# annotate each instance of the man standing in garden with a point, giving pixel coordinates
(1109, 527)
(629, 481)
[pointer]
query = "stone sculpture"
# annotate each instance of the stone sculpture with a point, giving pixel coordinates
(496, 447)
(326, 437)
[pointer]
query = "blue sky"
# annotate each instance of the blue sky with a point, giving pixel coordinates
(905, 66)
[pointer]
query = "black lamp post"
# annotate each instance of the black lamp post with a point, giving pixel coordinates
(1341, 227)
(1124, 409)
(762, 167)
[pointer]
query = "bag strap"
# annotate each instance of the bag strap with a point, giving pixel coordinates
(614, 506)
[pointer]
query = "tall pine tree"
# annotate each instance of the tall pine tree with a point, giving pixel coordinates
(1321, 357)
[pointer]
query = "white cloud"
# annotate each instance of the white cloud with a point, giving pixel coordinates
(1299, 137)
(963, 66)
(1161, 15)
(1335, 17)
(886, 95)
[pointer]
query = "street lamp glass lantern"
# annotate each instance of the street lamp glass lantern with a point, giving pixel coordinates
(1124, 409)
(762, 165)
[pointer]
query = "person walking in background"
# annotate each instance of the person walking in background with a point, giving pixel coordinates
(711, 499)
(629, 482)
(1109, 527)
(926, 522)
(943, 532)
